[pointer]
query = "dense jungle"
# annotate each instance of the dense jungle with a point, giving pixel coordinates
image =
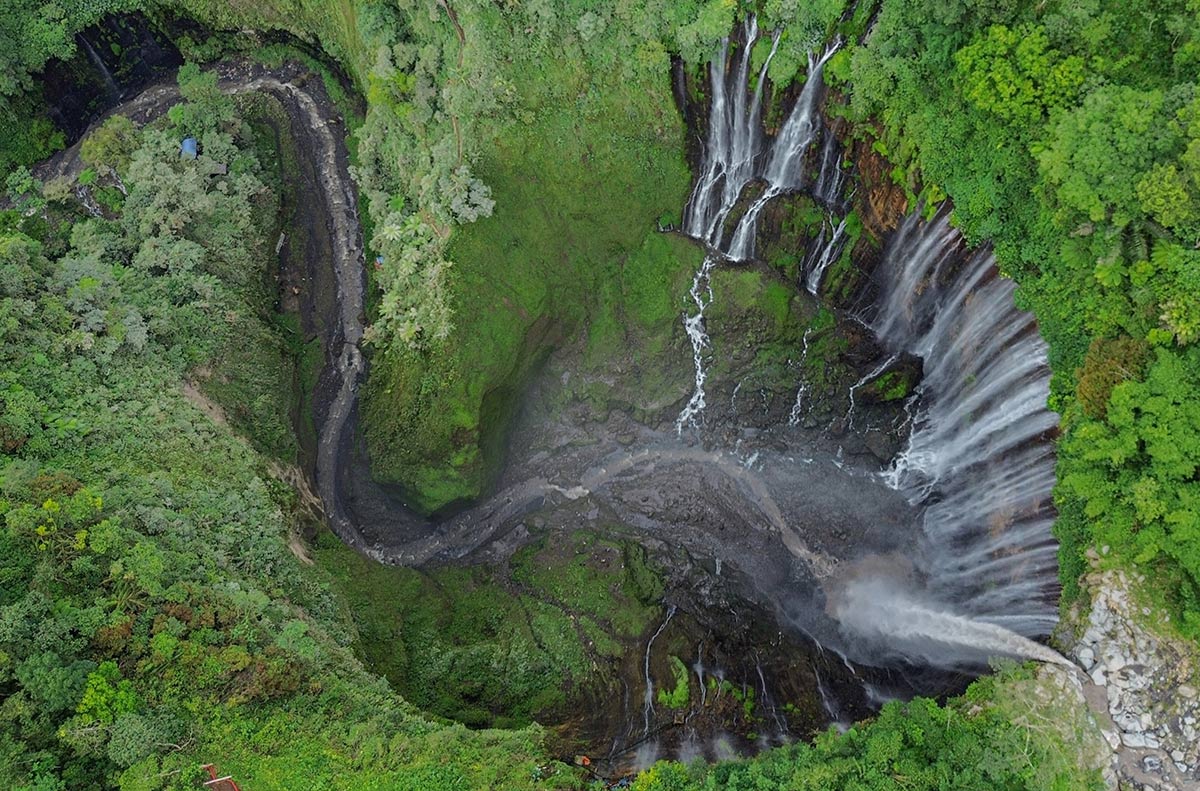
(592, 394)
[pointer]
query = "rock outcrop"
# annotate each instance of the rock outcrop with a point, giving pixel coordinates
(1142, 688)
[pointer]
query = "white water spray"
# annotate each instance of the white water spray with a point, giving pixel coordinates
(980, 453)
(735, 139)
(785, 169)
(794, 417)
(702, 295)
(879, 608)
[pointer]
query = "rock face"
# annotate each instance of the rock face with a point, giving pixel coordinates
(883, 203)
(1142, 688)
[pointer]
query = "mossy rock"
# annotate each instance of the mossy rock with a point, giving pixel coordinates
(756, 323)
(473, 645)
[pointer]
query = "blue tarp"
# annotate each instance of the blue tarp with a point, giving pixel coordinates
(188, 148)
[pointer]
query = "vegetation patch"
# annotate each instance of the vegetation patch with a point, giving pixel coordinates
(577, 194)
(478, 648)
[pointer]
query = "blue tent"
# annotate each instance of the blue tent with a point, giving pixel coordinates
(188, 148)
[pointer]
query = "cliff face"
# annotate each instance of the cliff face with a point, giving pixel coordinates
(881, 203)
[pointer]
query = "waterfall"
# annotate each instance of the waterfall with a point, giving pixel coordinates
(768, 703)
(829, 703)
(798, 405)
(699, 668)
(733, 157)
(648, 701)
(875, 607)
(109, 83)
(873, 374)
(735, 138)
(701, 294)
(831, 179)
(980, 455)
(785, 169)
(824, 253)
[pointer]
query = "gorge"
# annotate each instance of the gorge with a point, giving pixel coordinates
(634, 431)
(978, 580)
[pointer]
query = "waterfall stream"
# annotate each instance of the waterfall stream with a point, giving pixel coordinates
(980, 454)
(979, 459)
(693, 325)
(873, 374)
(830, 187)
(648, 700)
(735, 139)
(798, 405)
(911, 628)
(784, 170)
(979, 462)
(110, 84)
(824, 253)
(733, 158)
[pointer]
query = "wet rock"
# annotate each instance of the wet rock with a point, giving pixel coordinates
(883, 202)
(881, 445)
(1148, 687)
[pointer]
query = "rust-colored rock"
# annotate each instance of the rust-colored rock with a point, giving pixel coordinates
(881, 203)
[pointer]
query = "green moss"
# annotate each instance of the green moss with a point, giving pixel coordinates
(756, 324)
(748, 295)
(679, 696)
(842, 278)
(636, 331)
(577, 193)
(471, 647)
(892, 386)
(743, 694)
(599, 640)
(590, 575)
(457, 643)
(654, 279)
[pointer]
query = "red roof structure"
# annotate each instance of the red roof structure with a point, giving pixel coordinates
(225, 783)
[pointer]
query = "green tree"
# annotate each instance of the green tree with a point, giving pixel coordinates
(106, 696)
(1135, 471)
(1014, 74)
(1098, 151)
(206, 108)
(111, 145)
